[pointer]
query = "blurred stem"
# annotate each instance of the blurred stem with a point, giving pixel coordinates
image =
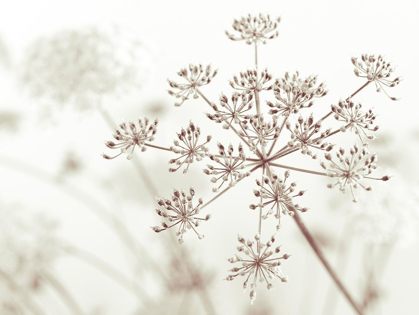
(325, 263)
(342, 260)
(107, 270)
(91, 204)
(22, 294)
(65, 295)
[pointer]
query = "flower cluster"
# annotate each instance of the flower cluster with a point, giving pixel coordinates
(180, 211)
(377, 70)
(236, 112)
(229, 167)
(355, 119)
(130, 136)
(243, 116)
(303, 136)
(195, 77)
(253, 29)
(251, 81)
(273, 192)
(351, 169)
(294, 93)
(79, 65)
(259, 264)
(190, 150)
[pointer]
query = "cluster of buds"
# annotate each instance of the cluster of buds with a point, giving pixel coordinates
(355, 119)
(259, 264)
(180, 211)
(240, 104)
(229, 168)
(251, 81)
(190, 150)
(303, 136)
(259, 132)
(195, 77)
(294, 93)
(274, 192)
(253, 29)
(130, 135)
(375, 69)
(351, 170)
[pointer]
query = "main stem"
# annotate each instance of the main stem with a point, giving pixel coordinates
(296, 216)
(325, 263)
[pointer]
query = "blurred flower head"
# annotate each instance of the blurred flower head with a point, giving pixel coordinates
(389, 216)
(79, 66)
(27, 247)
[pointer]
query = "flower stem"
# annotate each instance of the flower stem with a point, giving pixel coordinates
(325, 263)
(107, 270)
(66, 297)
(298, 169)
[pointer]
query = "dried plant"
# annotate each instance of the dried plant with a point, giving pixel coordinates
(259, 134)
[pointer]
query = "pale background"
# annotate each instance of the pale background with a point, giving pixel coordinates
(316, 37)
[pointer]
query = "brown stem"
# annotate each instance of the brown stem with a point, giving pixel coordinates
(325, 263)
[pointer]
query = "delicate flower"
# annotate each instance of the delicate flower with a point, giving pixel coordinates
(131, 135)
(230, 167)
(253, 29)
(260, 132)
(195, 77)
(352, 169)
(190, 150)
(80, 65)
(259, 264)
(303, 136)
(274, 192)
(294, 93)
(180, 211)
(241, 103)
(375, 69)
(356, 120)
(250, 81)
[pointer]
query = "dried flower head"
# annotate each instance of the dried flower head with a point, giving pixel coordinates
(236, 112)
(180, 211)
(274, 192)
(355, 119)
(305, 136)
(253, 29)
(351, 170)
(130, 135)
(294, 93)
(196, 77)
(251, 81)
(190, 150)
(230, 167)
(377, 70)
(259, 131)
(259, 264)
